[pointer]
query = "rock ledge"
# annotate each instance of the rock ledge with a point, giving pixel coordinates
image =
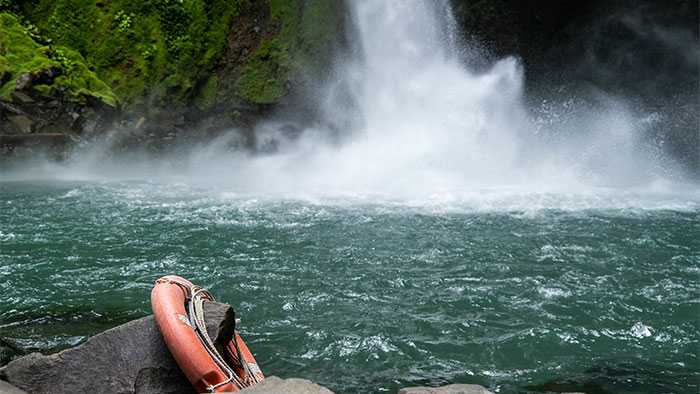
(131, 358)
(449, 389)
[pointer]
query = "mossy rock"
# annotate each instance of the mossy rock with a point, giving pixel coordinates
(306, 33)
(208, 93)
(263, 78)
(47, 70)
(149, 53)
(173, 54)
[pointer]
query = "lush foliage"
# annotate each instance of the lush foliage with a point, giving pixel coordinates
(304, 37)
(164, 53)
(141, 49)
(64, 69)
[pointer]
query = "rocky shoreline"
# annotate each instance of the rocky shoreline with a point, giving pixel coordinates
(132, 358)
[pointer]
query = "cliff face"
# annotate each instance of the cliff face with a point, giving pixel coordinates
(77, 66)
(629, 46)
(645, 51)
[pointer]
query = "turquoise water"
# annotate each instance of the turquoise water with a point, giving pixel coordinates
(517, 292)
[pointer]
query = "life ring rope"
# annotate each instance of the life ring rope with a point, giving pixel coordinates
(195, 306)
(195, 296)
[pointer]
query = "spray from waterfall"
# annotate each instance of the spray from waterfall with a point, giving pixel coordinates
(405, 118)
(413, 119)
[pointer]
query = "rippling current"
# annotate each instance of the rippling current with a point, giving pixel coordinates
(517, 292)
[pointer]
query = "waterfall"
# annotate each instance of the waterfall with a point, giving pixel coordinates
(405, 117)
(421, 118)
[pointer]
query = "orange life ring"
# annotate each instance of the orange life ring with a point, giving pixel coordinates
(168, 299)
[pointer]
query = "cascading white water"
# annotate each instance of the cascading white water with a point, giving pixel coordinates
(422, 122)
(419, 120)
(424, 117)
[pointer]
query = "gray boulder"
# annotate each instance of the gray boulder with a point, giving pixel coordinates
(275, 385)
(449, 389)
(6, 388)
(128, 359)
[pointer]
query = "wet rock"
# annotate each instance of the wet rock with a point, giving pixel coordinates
(449, 389)
(9, 108)
(8, 349)
(131, 358)
(22, 123)
(90, 126)
(23, 97)
(46, 141)
(275, 385)
(178, 120)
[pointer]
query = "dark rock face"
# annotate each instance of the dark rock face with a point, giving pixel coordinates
(32, 123)
(29, 112)
(642, 50)
(527, 29)
(551, 34)
(131, 358)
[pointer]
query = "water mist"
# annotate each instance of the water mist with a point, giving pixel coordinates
(405, 118)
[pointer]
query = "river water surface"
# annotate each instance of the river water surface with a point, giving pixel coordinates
(514, 291)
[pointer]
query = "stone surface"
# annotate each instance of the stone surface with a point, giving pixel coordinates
(23, 97)
(131, 358)
(22, 123)
(36, 139)
(6, 388)
(449, 389)
(275, 385)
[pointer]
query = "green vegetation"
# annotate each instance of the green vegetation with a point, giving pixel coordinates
(304, 34)
(264, 76)
(207, 94)
(165, 53)
(51, 68)
(156, 50)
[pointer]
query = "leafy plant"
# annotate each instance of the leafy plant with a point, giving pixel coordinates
(124, 21)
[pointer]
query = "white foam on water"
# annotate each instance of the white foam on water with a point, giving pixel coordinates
(7, 236)
(553, 292)
(640, 330)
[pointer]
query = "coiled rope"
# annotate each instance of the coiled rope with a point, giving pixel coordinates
(194, 303)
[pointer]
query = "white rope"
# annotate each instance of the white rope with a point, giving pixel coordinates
(196, 296)
(196, 311)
